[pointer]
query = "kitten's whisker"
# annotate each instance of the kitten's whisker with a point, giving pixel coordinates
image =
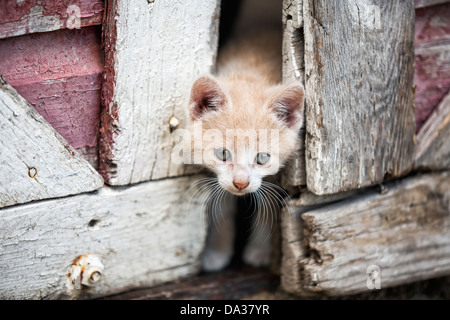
(279, 196)
(213, 197)
(274, 201)
(208, 182)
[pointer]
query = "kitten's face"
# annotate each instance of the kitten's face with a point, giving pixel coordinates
(245, 133)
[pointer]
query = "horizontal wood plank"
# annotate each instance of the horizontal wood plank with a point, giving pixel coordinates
(433, 140)
(35, 161)
(59, 74)
(359, 93)
(150, 70)
(229, 284)
(404, 231)
(144, 235)
(18, 18)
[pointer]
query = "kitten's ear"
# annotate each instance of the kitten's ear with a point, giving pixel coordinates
(288, 104)
(206, 95)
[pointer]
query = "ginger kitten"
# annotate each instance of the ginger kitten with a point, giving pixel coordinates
(245, 96)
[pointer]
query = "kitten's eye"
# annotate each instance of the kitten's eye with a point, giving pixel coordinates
(222, 154)
(262, 158)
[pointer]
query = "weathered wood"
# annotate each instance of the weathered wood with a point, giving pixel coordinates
(427, 3)
(23, 17)
(60, 75)
(226, 285)
(405, 232)
(359, 92)
(294, 174)
(36, 162)
(433, 140)
(150, 69)
(144, 235)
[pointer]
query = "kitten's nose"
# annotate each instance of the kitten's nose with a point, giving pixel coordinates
(241, 184)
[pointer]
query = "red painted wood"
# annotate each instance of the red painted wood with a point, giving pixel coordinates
(59, 73)
(432, 25)
(19, 17)
(432, 61)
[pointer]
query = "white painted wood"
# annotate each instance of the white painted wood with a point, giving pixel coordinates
(433, 139)
(35, 161)
(144, 235)
(405, 231)
(155, 50)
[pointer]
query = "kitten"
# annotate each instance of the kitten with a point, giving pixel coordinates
(246, 94)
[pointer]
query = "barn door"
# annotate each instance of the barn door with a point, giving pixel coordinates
(356, 59)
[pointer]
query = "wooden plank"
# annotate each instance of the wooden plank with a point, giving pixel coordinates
(428, 3)
(294, 174)
(231, 284)
(405, 232)
(150, 70)
(359, 93)
(36, 162)
(59, 74)
(23, 17)
(433, 143)
(144, 235)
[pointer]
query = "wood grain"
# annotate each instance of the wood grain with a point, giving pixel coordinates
(433, 140)
(31, 16)
(145, 235)
(359, 93)
(150, 70)
(405, 232)
(36, 162)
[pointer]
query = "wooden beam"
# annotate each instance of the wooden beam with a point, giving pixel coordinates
(18, 18)
(359, 63)
(154, 50)
(405, 232)
(36, 162)
(144, 235)
(433, 144)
